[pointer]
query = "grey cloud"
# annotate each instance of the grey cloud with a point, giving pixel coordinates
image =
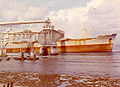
(65, 16)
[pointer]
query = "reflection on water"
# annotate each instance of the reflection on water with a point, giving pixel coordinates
(76, 63)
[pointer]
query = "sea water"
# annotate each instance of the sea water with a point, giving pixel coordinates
(97, 63)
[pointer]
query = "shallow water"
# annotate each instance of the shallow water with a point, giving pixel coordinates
(104, 63)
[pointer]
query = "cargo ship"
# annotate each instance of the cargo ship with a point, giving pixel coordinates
(103, 43)
(51, 39)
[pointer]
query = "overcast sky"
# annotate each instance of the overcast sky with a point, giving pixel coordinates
(98, 16)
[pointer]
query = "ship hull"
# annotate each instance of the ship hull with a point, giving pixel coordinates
(25, 49)
(85, 48)
(69, 49)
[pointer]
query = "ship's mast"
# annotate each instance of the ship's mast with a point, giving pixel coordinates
(85, 35)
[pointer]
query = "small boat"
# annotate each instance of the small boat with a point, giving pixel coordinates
(0, 60)
(8, 59)
(32, 58)
(17, 58)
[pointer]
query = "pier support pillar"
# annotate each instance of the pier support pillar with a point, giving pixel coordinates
(21, 54)
(32, 54)
(3, 52)
(43, 51)
(53, 50)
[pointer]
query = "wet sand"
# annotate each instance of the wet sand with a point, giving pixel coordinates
(57, 80)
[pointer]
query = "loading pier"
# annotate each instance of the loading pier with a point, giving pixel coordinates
(40, 42)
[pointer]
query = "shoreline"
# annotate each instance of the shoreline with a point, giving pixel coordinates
(27, 79)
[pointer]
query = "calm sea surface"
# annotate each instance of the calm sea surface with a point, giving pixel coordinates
(104, 63)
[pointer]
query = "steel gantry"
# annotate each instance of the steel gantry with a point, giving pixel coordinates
(46, 37)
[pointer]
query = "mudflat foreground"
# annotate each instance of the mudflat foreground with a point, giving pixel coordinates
(56, 80)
